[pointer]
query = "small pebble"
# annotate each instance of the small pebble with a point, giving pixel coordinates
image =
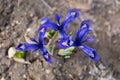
(11, 52)
(24, 76)
(47, 71)
(2, 78)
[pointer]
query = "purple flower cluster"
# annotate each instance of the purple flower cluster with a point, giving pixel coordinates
(65, 41)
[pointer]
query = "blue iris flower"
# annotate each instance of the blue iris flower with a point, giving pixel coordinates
(35, 46)
(57, 26)
(80, 40)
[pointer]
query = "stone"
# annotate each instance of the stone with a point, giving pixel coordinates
(11, 52)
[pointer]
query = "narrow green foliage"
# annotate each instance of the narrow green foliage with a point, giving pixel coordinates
(66, 52)
(51, 33)
(50, 49)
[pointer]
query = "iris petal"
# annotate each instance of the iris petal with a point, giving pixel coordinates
(89, 39)
(72, 14)
(70, 41)
(26, 46)
(63, 44)
(43, 28)
(53, 26)
(33, 39)
(80, 34)
(85, 24)
(41, 38)
(45, 22)
(46, 55)
(62, 34)
(57, 17)
(89, 51)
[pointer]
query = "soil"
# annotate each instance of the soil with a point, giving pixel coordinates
(17, 16)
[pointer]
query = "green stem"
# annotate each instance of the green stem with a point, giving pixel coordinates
(53, 40)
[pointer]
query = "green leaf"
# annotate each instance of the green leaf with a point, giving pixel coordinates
(50, 49)
(19, 54)
(67, 57)
(66, 52)
(51, 33)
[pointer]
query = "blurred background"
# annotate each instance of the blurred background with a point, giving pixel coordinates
(20, 18)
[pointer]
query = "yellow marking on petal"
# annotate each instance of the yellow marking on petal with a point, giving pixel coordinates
(42, 22)
(92, 55)
(46, 56)
(64, 43)
(22, 47)
(42, 29)
(84, 26)
(73, 13)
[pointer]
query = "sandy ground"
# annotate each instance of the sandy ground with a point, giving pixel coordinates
(17, 16)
